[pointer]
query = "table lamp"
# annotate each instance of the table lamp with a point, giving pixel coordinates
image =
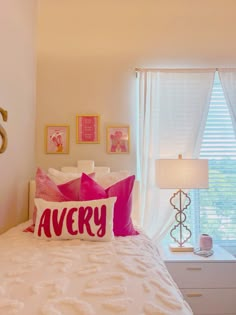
(181, 174)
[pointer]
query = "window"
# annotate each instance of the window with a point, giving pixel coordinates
(180, 96)
(214, 209)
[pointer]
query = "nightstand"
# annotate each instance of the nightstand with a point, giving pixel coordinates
(207, 284)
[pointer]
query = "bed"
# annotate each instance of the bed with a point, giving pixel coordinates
(86, 267)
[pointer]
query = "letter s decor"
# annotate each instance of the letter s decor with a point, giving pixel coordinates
(3, 133)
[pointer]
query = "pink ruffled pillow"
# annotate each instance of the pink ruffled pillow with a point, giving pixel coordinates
(122, 222)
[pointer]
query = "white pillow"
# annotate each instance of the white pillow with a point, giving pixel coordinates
(102, 170)
(106, 180)
(85, 166)
(70, 169)
(60, 177)
(87, 220)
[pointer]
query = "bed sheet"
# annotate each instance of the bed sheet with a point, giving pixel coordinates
(72, 277)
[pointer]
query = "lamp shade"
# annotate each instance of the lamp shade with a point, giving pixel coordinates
(182, 173)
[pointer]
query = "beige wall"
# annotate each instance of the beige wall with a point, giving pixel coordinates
(17, 96)
(88, 50)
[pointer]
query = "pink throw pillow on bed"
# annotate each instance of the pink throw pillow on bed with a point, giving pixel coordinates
(122, 222)
(70, 189)
(90, 220)
(46, 189)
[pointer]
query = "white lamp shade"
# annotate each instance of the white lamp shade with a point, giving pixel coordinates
(182, 173)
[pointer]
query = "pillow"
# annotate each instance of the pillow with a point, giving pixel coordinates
(60, 177)
(90, 189)
(48, 190)
(70, 189)
(86, 166)
(106, 180)
(69, 169)
(87, 220)
(122, 222)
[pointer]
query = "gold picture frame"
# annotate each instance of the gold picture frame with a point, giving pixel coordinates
(118, 139)
(87, 128)
(57, 139)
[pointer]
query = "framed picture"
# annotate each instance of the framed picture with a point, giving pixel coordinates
(118, 139)
(57, 139)
(87, 129)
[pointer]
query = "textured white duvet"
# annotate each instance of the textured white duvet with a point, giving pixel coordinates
(125, 276)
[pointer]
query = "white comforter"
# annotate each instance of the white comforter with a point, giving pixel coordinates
(125, 277)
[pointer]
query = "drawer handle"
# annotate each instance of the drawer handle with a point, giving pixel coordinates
(194, 295)
(194, 268)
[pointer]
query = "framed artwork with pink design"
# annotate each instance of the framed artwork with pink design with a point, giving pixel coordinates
(87, 129)
(118, 139)
(57, 139)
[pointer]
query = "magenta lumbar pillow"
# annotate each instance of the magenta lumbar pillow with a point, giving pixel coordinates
(87, 220)
(122, 222)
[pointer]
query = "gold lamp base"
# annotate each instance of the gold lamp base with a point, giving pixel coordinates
(184, 248)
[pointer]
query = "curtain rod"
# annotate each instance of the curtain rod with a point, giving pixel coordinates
(177, 69)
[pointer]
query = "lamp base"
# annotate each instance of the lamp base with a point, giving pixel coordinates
(185, 248)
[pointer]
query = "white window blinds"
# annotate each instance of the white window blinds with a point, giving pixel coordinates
(214, 209)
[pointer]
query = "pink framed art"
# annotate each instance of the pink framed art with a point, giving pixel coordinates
(57, 139)
(118, 139)
(87, 129)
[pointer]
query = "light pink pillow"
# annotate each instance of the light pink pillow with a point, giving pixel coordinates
(87, 220)
(48, 190)
(122, 222)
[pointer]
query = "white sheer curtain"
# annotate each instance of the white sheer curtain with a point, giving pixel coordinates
(228, 81)
(173, 106)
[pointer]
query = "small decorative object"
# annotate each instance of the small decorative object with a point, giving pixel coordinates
(118, 139)
(3, 133)
(181, 173)
(203, 253)
(57, 139)
(205, 242)
(87, 129)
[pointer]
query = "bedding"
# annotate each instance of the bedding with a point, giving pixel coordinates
(124, 276)
(73, 263)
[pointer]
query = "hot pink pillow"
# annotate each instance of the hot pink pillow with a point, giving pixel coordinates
(90, 189)
(122, 222)
(70, 189)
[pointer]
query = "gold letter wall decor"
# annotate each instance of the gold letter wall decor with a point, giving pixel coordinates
(3, 133)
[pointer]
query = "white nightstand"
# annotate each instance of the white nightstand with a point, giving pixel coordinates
(208, 284)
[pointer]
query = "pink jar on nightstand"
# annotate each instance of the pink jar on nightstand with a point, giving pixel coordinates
(205, 242)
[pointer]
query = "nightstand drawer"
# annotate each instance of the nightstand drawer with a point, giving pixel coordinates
(203, 275)
(211, 301)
